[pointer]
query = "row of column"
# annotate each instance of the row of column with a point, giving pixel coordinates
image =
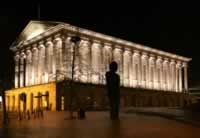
(136, 68)
(13, 102)
(38, 64)
(51, 60)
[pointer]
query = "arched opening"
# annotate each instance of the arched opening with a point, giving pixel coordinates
(23, 99)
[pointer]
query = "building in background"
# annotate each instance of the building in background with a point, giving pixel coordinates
(43, 66)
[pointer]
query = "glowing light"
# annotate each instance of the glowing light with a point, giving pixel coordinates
(0, 98)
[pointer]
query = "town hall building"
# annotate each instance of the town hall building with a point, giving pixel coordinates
(44, 54)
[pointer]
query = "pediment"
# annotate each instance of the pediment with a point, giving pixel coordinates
(33, 29)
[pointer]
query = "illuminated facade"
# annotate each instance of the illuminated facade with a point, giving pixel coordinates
(43, 54)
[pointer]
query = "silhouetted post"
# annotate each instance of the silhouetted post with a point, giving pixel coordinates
(4, 108)
(34, 113)
(28, 115)
(2, 89)
(42, 113)
(113, 89)
(19, 116)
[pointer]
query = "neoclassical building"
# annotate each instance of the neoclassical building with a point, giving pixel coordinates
(43, 55)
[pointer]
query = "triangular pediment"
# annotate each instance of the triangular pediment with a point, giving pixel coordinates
(33, 29)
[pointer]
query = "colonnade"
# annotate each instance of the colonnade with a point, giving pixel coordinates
(51, 59)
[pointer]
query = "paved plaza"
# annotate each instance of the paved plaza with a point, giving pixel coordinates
(98, 125)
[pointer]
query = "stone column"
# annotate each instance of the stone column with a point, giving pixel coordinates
(173, 75)
(75, 48)
(35, 65)
(177, 77)
(49, 60)
(102, 77)
(144, 70)
(84, 50)
(96, 62)
(41, 64)
(58, 56)
(165, 74)
(118, 57)
(168, 74)
(180, 77)
(107, 57)
(17, 57)
(136, 68)
(107, 54)
(68, 58)
(185, 66)
(127, 67)
(22, 77)
(28, 67)
(147, 71)
(54, 61)
(152, 71)
(159, 73)
(162, 78)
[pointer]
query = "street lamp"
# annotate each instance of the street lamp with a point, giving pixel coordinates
(75, 40)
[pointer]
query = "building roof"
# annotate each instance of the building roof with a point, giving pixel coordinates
(36, 30)
(33, 29)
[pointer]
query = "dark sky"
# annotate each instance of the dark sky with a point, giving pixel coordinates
(170, 27)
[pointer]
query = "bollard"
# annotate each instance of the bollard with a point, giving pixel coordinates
(37, 112)
(34, 114)
(19, 116)
(81, 113)
(7, 118)
(42, 114)
(28, 115)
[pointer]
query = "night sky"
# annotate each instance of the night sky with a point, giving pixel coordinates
(173, 28)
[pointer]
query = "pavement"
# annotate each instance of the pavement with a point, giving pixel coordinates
(132, 124)
(177, 114)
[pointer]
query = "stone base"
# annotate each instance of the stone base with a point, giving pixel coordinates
(88, 96)
(94, 97)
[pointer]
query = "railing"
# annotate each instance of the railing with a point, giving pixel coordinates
(25, 115)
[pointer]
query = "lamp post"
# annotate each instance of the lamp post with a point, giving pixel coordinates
(75, 40)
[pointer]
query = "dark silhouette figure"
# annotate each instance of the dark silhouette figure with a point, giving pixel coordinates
(113, 89)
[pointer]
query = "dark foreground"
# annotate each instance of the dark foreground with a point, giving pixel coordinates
(98, 125)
